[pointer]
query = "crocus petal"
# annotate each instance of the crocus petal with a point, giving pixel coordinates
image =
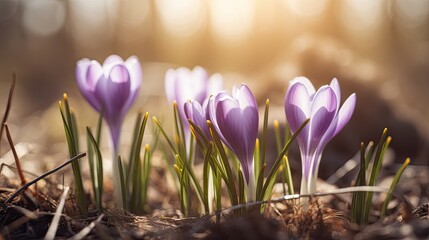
(323, 111)
(183, 84)
(170, 85)
(197, 114)
(110, 88)
(215, 115)
(297, 109)
(235, 119)
(135, 75)
(192, 85)
(306, 82)
(215, 84)
(345, 113)
(238, 131)
(336, 87)
(115, 91)
(88, 74)
(94, 72)
(135, 71)
(244, 96)
(112, 59)
(326, 120)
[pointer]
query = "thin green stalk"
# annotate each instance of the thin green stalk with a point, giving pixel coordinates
(122, 180)
(96, 169)
(199, 191)
(206, 176)
(393, 186)
(273, 172)
(257, 161)
(158, 124)
(147, 165)
(136, 131)
(199, 135)
(260, 181)
(146, 174)
(288, 175)
(229, 180)
(358, 199)
(241, 190)
(180, 132)
(264, 133)
(376, 167)
(277, 136)
(70, 128)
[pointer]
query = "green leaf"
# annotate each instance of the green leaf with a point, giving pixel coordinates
(393, 186)
(70, 128)
(229, 177)
(358, 198)
(264, 134)
(170, 144)
(97, 168)
(122, 180)
(273, 172)
(288, 175)
(191, 173)
(277, 136)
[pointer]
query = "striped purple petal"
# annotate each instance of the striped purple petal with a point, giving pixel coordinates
(235, 119)
(326, 120)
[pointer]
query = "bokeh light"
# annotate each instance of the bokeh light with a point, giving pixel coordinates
(362, 20)
(307, 8)
(411, 13)
(378, 45)
(182, 17)
(232, 20)
(43, 17)
(90, 23)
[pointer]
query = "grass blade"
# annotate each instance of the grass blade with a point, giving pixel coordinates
(273, 172)
(393, 186)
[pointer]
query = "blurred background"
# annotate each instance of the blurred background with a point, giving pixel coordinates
(378, 49)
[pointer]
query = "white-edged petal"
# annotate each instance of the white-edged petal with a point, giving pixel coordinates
(306, 82)
(345, 113)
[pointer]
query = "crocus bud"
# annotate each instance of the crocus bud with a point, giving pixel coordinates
(235, 119)
(327, 118)
(198, 114)
(110, 88)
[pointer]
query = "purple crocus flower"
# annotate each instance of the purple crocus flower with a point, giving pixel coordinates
(327, 118)
(235, 119)
(110, 88)
(183, 84)
(198, 114)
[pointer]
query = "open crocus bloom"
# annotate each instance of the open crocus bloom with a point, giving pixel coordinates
(235, 119)
(183, 84)
(110, 88)
(327, 118)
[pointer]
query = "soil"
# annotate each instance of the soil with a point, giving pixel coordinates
(29, 215)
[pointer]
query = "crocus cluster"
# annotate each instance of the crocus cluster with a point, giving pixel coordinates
(110, 88)
(234, 117)
(327, 118)
(192, 88)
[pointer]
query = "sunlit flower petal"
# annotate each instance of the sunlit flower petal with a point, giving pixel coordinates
(235, 119)
(183, 84)
(326, 120)
(110, 88)
(198, 114)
